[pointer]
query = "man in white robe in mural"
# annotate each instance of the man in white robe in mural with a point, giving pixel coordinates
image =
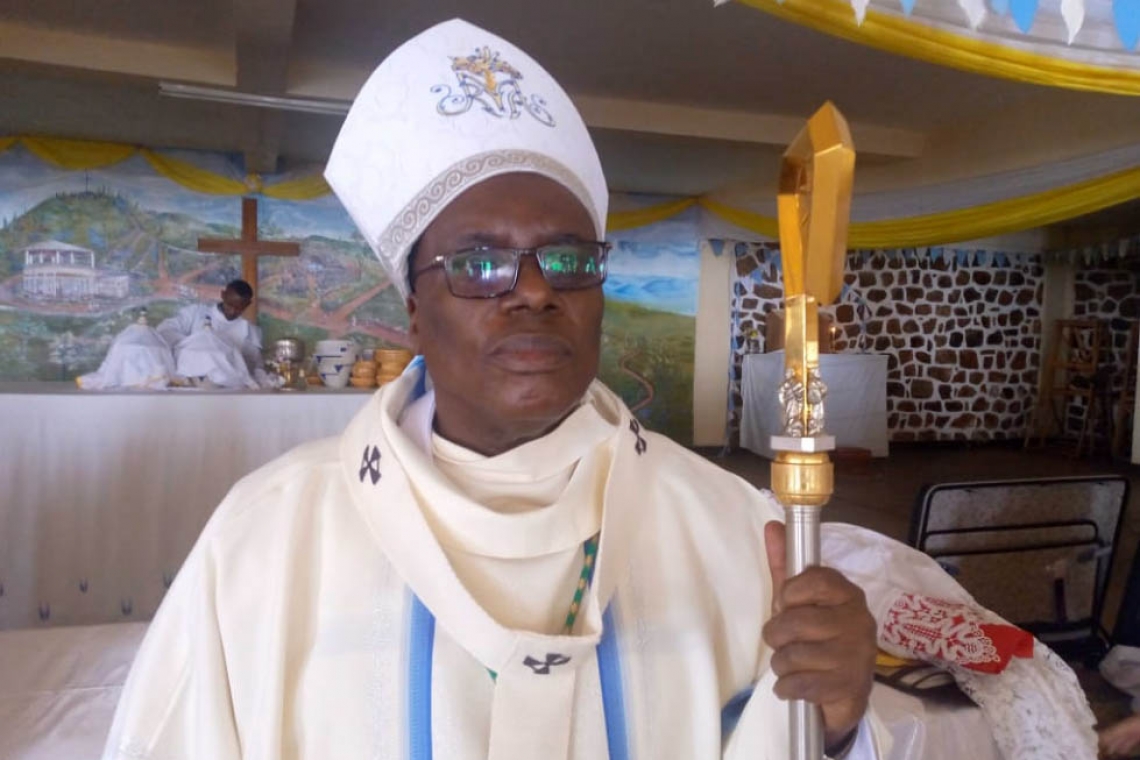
(495, 560)
(223, 320)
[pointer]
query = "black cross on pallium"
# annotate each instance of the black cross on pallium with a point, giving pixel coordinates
(640, 446)
(541, 667)
(370, 464)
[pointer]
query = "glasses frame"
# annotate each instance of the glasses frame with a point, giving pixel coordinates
(440, 262)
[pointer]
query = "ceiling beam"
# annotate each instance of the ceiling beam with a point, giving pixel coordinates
(264, 34)
(735, 126)
(157, 60)
(314, 80)
(264, 144)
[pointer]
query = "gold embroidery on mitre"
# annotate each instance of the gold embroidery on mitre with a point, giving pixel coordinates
(485, 78)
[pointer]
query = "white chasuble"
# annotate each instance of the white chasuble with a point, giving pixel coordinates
(197, 318)
(352, 599)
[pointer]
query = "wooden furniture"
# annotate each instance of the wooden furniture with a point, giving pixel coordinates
(1126, 403)
(774, 332)
(856, 401)
(1072, 374)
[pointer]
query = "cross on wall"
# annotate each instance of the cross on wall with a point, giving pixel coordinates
(250, 248)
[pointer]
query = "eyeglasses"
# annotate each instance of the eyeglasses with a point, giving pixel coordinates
(487, 272)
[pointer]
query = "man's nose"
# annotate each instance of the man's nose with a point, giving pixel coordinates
(531, 287)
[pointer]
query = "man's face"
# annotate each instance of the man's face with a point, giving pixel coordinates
(505, 369)
(232, 304)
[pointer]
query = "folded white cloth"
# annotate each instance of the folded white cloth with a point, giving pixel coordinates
(206, 355)
(1035, 706)
(138, 358)
(1121, 668)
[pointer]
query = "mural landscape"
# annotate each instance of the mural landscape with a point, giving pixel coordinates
(81, 253)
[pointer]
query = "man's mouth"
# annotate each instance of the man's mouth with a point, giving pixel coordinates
(532, 353)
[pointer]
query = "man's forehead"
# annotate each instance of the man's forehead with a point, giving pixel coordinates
(499, 205)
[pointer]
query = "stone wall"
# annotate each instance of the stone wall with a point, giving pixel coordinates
(962, 330)
(1109, 292)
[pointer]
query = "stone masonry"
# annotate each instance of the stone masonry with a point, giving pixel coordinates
(961, 328)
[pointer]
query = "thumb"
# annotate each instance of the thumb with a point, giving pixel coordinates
(775, 541)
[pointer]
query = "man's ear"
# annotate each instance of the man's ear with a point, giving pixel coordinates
(412, 307)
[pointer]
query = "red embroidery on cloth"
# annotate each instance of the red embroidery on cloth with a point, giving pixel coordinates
(935, 629)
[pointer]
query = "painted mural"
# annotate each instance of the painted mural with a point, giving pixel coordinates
(81, 252)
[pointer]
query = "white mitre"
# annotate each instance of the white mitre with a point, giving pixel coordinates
(452, 107)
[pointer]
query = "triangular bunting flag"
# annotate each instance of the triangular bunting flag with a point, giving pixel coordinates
(975, 11)
(1073, 12)
(1023, 13)
(1127, 16)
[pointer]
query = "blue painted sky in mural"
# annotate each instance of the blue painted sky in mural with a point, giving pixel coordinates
(656, 275)
(657, 266)
(134, 178)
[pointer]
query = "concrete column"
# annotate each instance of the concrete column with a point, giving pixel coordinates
(1057, 303)
(711, 354)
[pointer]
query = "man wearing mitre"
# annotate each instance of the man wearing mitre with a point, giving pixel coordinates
(495, 559)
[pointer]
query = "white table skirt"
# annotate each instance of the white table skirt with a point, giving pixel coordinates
(103, 494)
(61, 685)
(856, 405)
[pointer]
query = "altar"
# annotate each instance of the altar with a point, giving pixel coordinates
(114, 487)
(856, 400)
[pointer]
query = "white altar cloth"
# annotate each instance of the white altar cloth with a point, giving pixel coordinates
(61, 685)
(103, 493)
(856, 405)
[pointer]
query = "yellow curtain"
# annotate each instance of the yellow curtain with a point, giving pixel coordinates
(302, 189)
(998, 218)
(763, 225)
(624, 220)
(77, 155)
(82, 155)
(898, 35)
(190, 176)
(1001, 217)
(988, 220)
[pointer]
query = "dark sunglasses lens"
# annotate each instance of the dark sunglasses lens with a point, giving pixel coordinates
(573, 265)
(481, 274)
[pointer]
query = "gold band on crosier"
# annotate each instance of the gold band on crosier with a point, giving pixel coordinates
(804, 479)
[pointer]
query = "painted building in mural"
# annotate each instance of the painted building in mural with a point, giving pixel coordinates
(55, 270)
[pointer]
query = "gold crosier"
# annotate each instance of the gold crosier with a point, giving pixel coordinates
(814, 206)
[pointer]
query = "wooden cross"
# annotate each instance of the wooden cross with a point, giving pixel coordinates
(250, 248)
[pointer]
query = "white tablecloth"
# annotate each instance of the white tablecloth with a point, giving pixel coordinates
(856, 405)
(102, 494)
(60, 687)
